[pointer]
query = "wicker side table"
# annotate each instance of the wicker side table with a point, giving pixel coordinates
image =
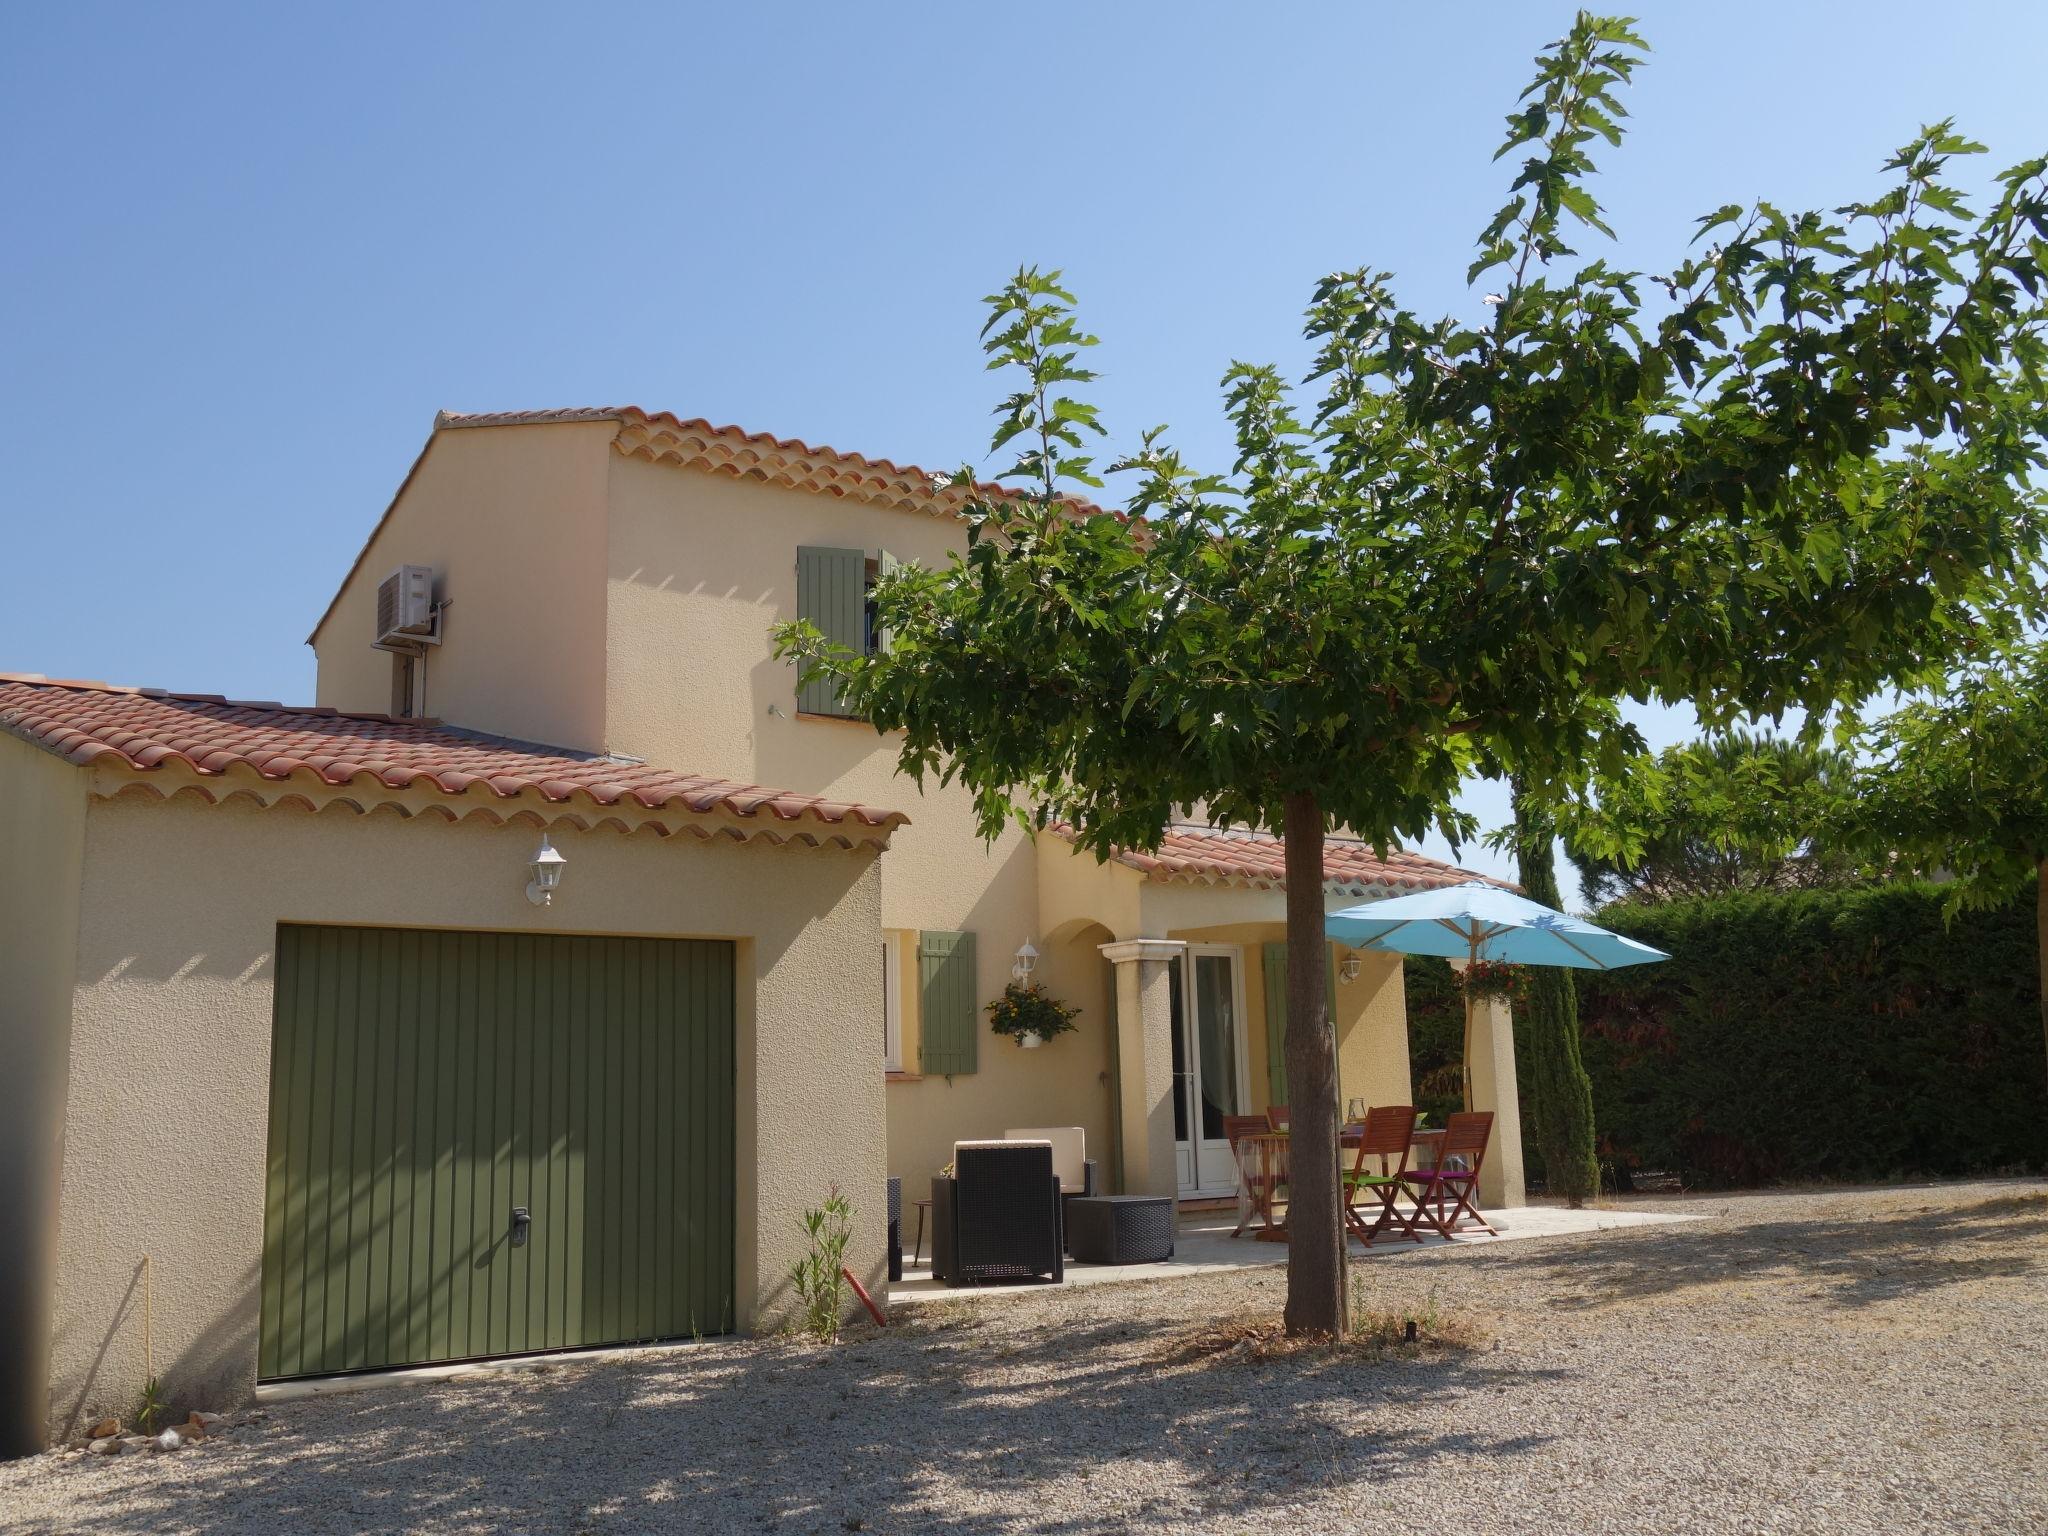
(1120, 1229)
(895, 1228)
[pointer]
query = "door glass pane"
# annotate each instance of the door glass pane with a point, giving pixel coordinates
(1216, 1024)
(1180, 1054)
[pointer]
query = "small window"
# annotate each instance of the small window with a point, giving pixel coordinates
(871, 626)
(892, 1005)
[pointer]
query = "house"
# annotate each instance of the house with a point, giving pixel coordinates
(247, 937)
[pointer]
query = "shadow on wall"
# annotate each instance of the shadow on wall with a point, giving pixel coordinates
(1072, 967)
(214, 1371)
(240, 969)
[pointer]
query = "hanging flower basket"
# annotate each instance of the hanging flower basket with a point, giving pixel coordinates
(1483, 979)
(1029, 1014)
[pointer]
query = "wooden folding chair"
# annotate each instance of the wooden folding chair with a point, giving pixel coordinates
(1276, 1116)
(1389, 1132)
(1255, 1190)
(1450, 1190)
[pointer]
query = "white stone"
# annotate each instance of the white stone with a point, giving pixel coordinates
(169, 1440)
(106, 1445)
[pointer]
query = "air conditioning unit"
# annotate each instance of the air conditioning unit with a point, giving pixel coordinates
(405, 609)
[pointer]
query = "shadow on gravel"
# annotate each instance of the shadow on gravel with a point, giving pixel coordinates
(740, 1436)
(1842, 1263)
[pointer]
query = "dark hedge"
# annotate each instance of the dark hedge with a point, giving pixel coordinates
(1841, 1034)
(1436, 1035)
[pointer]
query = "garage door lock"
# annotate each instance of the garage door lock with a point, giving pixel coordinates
(522, 1220)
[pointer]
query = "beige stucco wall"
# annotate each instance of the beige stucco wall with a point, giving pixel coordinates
(512, 521)
(701, 567)
(172, 1027)
(42, 830)
(1066, 1081)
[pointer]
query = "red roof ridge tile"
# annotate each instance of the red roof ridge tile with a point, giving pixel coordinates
(1242, 856)
(143, 729)
(640, 415)
(824, 459)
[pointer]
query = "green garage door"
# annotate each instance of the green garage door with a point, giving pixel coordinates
(426, 1086)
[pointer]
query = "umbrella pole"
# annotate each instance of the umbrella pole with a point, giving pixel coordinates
(1467, 979)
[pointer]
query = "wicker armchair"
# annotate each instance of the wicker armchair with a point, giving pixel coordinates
(998, 1216)
(1071, 1164)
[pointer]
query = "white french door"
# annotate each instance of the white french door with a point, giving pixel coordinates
(1210, 1072)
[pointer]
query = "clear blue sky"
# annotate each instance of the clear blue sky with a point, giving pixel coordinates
(250, 250)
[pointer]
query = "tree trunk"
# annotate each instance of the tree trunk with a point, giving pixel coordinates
(1315, 1206)
(2040, 943)
(1561, 1093)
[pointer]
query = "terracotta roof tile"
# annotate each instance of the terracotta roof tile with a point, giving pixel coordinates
(143, 729)
(1227, 856)
(662, 437)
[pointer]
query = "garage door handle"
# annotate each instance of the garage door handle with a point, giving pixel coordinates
(522, 1219)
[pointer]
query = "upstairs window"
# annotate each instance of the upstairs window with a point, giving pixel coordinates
(835, 591)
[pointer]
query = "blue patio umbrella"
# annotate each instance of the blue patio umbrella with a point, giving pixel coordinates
(1481, 921)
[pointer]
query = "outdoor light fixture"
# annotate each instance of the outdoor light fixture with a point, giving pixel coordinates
(1027, 961)
(1348, 969)
(547, 874)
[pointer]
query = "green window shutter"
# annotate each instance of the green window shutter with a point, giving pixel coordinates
(946, 990)
(831, 591)
(1276, 1013)
(1276, 1023)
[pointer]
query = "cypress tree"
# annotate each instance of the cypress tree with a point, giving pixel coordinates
(1560, 1093)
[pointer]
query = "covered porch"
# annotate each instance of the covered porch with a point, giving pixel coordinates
(1194, 938)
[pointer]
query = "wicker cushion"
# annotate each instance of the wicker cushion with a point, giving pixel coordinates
(1069, 1151)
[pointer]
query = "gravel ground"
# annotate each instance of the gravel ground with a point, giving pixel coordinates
(1839, 1360)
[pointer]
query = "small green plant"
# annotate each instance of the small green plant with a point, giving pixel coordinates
(818, 1276)
(1426, 1325)
(150, 1407)
(1026, 1008)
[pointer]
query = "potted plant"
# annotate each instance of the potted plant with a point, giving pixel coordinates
(1029, 1014)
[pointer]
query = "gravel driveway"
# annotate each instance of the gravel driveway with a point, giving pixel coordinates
(1854, 1361)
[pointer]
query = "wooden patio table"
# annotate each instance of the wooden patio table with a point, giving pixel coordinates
(1262, 1169)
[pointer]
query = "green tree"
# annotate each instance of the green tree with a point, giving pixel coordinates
(1797, 481)
(1559, 1091)
(1958, 785)
(1735, 812)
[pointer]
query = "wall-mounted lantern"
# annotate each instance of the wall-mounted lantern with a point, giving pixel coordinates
(547, 874)
(1027, 962)
(1348, 968)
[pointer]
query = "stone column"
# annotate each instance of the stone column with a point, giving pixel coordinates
(1494, 1087)
(1144, 1033)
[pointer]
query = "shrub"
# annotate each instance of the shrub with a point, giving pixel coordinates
(1839, 1034)
(819, 1275)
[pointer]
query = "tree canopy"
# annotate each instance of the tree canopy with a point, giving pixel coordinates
(1791, 469)
(1957, 785)
(1739, 811)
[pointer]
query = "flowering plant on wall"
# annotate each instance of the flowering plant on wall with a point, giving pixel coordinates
(1029, 1014)
(1496, 978)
